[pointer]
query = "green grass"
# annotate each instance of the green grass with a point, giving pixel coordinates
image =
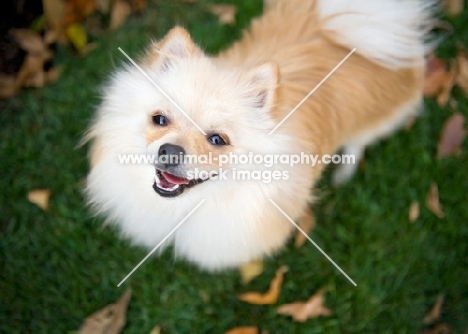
(59, 266)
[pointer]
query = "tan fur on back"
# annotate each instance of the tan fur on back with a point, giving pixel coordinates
(360, 95)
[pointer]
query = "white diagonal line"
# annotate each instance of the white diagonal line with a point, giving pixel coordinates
(312, 91)
(313, 243)
(162, 91)
(155, 248)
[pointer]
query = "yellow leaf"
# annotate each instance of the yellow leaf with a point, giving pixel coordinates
(271, 296)
(76, 33)
(243, 330)
(251, 270)
(432, 201)
(435, 311)
(413, 212)
(156, 330)
(40, 197)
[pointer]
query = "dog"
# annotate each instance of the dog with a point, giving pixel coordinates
(185, 103)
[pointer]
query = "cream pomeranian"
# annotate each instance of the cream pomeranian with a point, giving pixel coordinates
(185, 103)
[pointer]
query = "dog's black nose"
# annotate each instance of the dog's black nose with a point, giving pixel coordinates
(171, 155)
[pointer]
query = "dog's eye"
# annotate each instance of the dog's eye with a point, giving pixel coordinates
(216, 140)
(159, 120)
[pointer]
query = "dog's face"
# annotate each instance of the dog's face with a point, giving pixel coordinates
(201, 110)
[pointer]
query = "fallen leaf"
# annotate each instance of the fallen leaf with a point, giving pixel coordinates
(156, 330)
(306, 223)
(76, 34)
(435, 311)
(54, 12)
(452, 136)
(226, 13)
(436, 73)
(104, 6)
(301, 311)
(7, 86)
(271, 296)
(447, 84)
(413, 212)
(121, 10)
(410, 122)
(251, 270)
(462, 76)
(440, 329)
(31, 72)
(454, 7)
(29, 40)
(243, 330)
(432, 201)
(51, 75)
(40, 197)
(138, 5)
(77, 10)
(110, 319)
(87, 49)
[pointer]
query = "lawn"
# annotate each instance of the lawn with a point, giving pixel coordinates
(59, 266)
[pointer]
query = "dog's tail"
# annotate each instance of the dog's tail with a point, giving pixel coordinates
(393, 33)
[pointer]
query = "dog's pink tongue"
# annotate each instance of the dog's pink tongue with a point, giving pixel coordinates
(174, 179)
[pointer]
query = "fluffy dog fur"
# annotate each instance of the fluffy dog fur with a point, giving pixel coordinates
(243, 93)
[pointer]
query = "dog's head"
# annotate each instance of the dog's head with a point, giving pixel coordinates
(194, 109)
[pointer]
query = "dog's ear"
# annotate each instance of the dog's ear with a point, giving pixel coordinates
(263, 82)
(177, 44)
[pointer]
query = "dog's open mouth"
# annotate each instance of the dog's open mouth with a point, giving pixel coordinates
(169, 185)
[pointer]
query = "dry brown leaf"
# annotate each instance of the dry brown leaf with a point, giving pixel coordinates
(40, 197)
(243, 330)
(413, 212)
(462, 76)
(104, 6)
(251, 270)
(110, 319)
(307, 224)
(52, 75)
(138, 5)
(436, 73)
(30, 72)
(121, 10)
(435, 311)
(7, 86)
(452, 136)
(226, 13)
(156, 330)
(440, 329)
(77, 10)
(29, 40)
(301, 311)
(454, 7)
(54, 12)
(432, 201)
(271, 296)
